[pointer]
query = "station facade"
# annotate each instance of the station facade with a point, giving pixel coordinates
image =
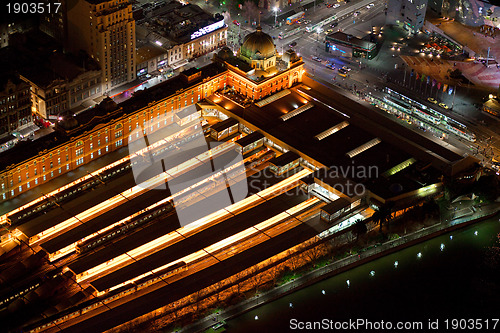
(108, 126)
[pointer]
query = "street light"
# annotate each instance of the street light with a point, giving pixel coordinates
(275, 15)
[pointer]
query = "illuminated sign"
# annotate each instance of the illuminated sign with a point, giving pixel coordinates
(335, 48)
(207, 29)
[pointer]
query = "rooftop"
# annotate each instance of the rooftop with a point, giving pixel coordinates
(177, 21)
(398, 144)
(88, 120)
(346, 38)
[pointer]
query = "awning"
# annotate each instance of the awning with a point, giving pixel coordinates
(27, 131)
(179, 64)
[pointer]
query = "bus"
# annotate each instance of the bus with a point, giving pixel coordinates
(289, 32)
(294, 18)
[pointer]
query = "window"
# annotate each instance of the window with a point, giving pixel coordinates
(58, 161)
(79, 161)
(79, 152)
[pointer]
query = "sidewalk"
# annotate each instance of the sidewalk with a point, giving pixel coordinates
(340, 266)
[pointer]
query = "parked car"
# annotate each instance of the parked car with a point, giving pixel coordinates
(432, 100)
(329, 31)
(347, 69)
(336, 5)
(317, 59)
(330, 65)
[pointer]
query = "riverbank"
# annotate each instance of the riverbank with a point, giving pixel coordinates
(345, 264)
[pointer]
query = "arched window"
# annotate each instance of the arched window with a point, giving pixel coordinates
(118, 126)
(79, 143)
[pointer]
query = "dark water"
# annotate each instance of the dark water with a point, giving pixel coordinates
(451, 279)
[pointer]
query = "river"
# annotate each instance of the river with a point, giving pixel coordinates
(447, 277)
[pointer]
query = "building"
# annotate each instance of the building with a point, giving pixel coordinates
(106, 31)
(54, 22)
(37, 162)
(62, 85)
(84, 137)
(408, 14)
(344, 45)
(15, 106)
(492, 106)
(171, 33)
(15, 24)
(258, 70)
(157, 54)
(469, 12)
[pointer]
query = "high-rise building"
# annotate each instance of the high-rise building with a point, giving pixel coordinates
(469, 12)
(409, 14)
(15, 105)
(55, 22)
(106, 31)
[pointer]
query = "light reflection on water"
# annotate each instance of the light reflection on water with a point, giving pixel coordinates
(450, 279)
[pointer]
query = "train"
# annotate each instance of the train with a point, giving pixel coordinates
(121, 229)
(124, 290)
(67, 194)
(433, 118)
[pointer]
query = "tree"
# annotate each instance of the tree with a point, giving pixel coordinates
(383, 214)
(360, 228)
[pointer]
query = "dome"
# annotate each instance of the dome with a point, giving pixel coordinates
(225, 53)
(258, 45)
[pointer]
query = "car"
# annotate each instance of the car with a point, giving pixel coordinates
(236, 22)
(432, 100)
(336, 5)
(329, 31)
(367, 7)
(329, 5)
(342, 72)
(307, 21)
(444, 106)
(347, 69)
(371, 5)
(334, 24)
(330, 65)
(292, 44)
(317, 59)
(357, 12)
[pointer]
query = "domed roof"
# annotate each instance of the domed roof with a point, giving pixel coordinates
(258, 45)
(225, 53)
